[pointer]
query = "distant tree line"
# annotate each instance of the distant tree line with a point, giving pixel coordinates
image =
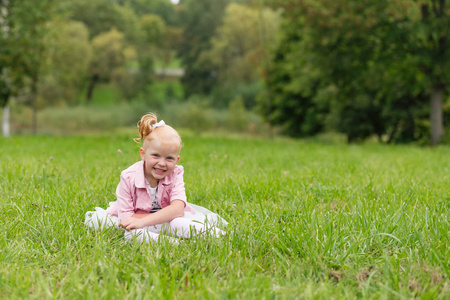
(374, 67)
(362, 68)
(57, 52)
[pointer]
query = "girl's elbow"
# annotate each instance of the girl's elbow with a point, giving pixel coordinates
(180, 211)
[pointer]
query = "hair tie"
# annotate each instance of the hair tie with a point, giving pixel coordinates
(159, 124)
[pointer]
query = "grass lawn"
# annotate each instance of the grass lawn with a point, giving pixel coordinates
(307, 220)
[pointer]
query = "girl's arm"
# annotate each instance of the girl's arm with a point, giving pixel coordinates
(124, 192)
(167, 214)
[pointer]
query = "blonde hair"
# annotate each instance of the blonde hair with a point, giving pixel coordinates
(148, 133)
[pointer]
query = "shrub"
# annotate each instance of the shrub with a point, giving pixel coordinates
(237, 116)
(62, 120)
(194, 114)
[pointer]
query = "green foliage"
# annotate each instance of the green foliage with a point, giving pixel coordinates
(307, 221)
(23, 31)
(129, 83)
(195, 115)
(408, 119)
(106, 111)
(101, 16)
(134, 38)
(165, 91)
(381, 58)
(201, 117)
(237, 118)
(201, 18)
(239, 46)
(153, 27)
(297, 101)
(362, 69)
(70, 55)
(128, 23)
(357, 118)
(109, 54)
(106, 95)
(78, 119)
(238, 53)
(162, 8)
(222, 95)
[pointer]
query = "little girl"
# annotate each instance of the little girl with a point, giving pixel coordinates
(151, 198)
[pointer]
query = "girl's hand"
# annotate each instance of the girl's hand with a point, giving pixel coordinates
(167, 214)
(131, 223)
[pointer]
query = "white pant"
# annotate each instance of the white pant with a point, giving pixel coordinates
(177, 228)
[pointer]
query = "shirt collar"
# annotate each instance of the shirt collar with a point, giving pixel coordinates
(140, 176)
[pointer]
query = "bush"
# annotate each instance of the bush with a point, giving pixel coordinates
(195, 114)
(68, 120)
(249, 92)
(237, 116)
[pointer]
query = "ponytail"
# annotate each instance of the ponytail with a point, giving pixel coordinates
(145, 126)
(149, 129)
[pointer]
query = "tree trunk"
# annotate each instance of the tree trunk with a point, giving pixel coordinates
(5, 123)
(34, 104)
(5, 92)
(437, 126)
(34, 114)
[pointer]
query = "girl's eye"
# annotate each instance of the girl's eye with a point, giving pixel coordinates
(170, 158)
(155, 155)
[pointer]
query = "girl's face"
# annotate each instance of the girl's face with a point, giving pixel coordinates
(160, 159)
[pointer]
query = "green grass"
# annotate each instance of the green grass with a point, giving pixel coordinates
(105, 95)
(307, 220)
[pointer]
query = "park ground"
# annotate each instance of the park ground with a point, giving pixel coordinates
(307, 219)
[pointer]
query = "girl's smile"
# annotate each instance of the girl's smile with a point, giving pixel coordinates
(161, 171)
(160, 159)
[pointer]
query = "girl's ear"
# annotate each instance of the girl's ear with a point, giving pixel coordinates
(142, 152)
(178, 159)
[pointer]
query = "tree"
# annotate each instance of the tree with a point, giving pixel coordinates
(23, 51)
(142, 37)
(109, 55)
(300, 93)
(201, 18)
(238, 49)
(69, 57)
(430, 46)
(162, 8)
(348, 41)
(393, 34)
(5, 84)
(99, 16)
(380, 56)
(153, 29)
